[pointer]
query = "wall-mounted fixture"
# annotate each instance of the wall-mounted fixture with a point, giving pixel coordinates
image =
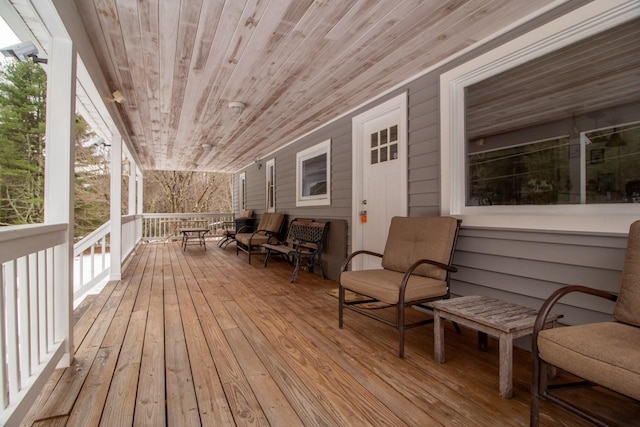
(117, 97)
(237, 107)
(206, 146)
(23, 52)
(259, 163)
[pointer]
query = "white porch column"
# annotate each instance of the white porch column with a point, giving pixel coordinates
(116, 207)
(140, 206)
(132, 188)
(59, 179)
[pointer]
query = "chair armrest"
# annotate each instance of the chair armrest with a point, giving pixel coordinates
(409, 272)
(346, 262)
(244, 229)
(541, 319)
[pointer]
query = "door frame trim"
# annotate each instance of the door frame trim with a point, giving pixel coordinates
(397, 103)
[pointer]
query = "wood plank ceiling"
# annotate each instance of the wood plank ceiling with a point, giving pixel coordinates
(296, 64)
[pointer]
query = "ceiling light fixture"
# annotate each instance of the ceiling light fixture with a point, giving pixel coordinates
(117, 97)
(206, 146)
(237, 107)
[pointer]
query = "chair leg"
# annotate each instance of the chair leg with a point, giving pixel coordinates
(321, 268)
(534, 418)
(266, 258)
(294, 277)
(400, 321)
(340, 306)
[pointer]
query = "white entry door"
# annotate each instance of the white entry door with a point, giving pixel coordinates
(380, 176)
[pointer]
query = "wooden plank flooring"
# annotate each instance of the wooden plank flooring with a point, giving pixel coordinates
(203, 338)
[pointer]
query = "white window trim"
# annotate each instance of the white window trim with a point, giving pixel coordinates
(242, 191)
(316, 150)
(271, 204)
(581, 23)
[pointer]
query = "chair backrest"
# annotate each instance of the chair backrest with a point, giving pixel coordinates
(271, 222)
(247, 213)
(413, 238)
(627, 308)
(293, 229)
(310, 235)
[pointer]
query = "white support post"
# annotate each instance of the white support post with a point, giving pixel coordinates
(132, 188)
(59, 180)
(140, 199)
(139, 207)
(116, 207)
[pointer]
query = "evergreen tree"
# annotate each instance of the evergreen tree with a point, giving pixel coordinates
(22, 138)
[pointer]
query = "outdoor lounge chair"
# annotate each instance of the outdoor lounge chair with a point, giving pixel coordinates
(603, 353)
(416, 266)
(270, 225)
(227, 230)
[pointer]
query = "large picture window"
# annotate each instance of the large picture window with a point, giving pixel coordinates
(543, 132)
(313, 171)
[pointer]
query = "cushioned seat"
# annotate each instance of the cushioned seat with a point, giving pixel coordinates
(605, 353)
(385, 284)
(415, 270)
(270, 225)
(588, 350)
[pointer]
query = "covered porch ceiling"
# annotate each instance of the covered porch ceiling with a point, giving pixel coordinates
(296, 64)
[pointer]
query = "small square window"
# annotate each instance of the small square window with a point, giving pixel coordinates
(313, 171)
(374, 140)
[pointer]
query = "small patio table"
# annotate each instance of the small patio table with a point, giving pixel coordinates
(196, 234)
(491, 316)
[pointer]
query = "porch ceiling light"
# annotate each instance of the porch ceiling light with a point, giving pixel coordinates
(118, 97)
(206, 146)
(237, 107)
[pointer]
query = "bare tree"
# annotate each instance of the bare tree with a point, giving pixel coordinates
(186, 191)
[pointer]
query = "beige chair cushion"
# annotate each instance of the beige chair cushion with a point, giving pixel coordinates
(384, 285)
(627, 308)
(271, 222)
(414, 238)
(257, 240)
(606, 353)
(247, 213)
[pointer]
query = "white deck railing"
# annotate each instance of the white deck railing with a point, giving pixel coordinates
(32, 304)
(91, 260)
(163, 226)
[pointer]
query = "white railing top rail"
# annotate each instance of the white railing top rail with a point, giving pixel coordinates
(128, 218)
(20, 240)
(94, 237)
(186, 215)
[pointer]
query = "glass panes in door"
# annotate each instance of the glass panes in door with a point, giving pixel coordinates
(384, 145)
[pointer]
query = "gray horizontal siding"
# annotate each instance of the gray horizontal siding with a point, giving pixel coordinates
(527, 267)
(515, 265)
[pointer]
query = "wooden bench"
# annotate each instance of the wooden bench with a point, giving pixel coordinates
(305, 240)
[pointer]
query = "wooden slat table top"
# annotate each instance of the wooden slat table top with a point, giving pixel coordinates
(502, 315)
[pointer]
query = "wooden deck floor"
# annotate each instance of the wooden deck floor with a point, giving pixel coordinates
(202, 338)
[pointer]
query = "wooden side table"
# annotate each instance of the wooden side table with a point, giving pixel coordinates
(501, 319)
(193, 234)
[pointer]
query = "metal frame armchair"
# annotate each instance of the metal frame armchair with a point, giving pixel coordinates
(416, 268)
(270, 225)
(603, 353)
